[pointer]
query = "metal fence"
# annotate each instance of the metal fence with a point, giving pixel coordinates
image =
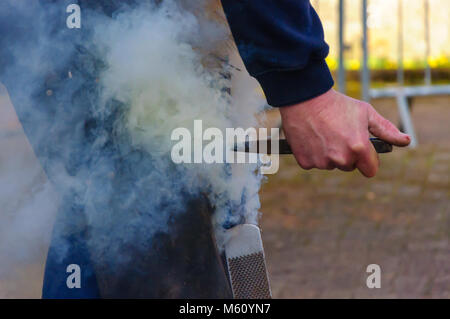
(402, 93)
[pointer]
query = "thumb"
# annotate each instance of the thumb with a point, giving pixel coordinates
(385, 130)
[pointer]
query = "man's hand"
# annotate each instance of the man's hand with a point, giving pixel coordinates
(332, 131)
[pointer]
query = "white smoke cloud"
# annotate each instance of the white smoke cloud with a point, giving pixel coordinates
(154, 67)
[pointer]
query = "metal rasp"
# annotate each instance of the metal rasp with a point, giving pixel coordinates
(246, 263)
(284, 147)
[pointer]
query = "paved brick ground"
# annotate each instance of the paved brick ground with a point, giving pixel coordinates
(322, 229)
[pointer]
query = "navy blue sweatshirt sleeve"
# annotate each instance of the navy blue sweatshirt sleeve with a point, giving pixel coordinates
(282, 45)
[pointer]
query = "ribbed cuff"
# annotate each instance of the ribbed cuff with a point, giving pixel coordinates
(294, 86)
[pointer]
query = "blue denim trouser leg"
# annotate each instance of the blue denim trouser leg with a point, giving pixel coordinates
(56, 275)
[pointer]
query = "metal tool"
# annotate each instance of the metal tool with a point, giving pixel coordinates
(244, 252)
(246, 263)
(284, 147)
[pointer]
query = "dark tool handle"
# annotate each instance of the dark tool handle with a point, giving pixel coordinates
(284, 147)
(380, 145)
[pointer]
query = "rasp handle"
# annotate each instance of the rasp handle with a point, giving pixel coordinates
(284, 147)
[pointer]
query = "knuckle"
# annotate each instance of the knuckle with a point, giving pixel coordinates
(339, 160)
(366, 105)
(305, 164)
(348, 167)
(367, 109)
(322, 164)
(357, 147)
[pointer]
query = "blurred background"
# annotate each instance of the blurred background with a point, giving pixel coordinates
(322, 229)
(409, 34)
